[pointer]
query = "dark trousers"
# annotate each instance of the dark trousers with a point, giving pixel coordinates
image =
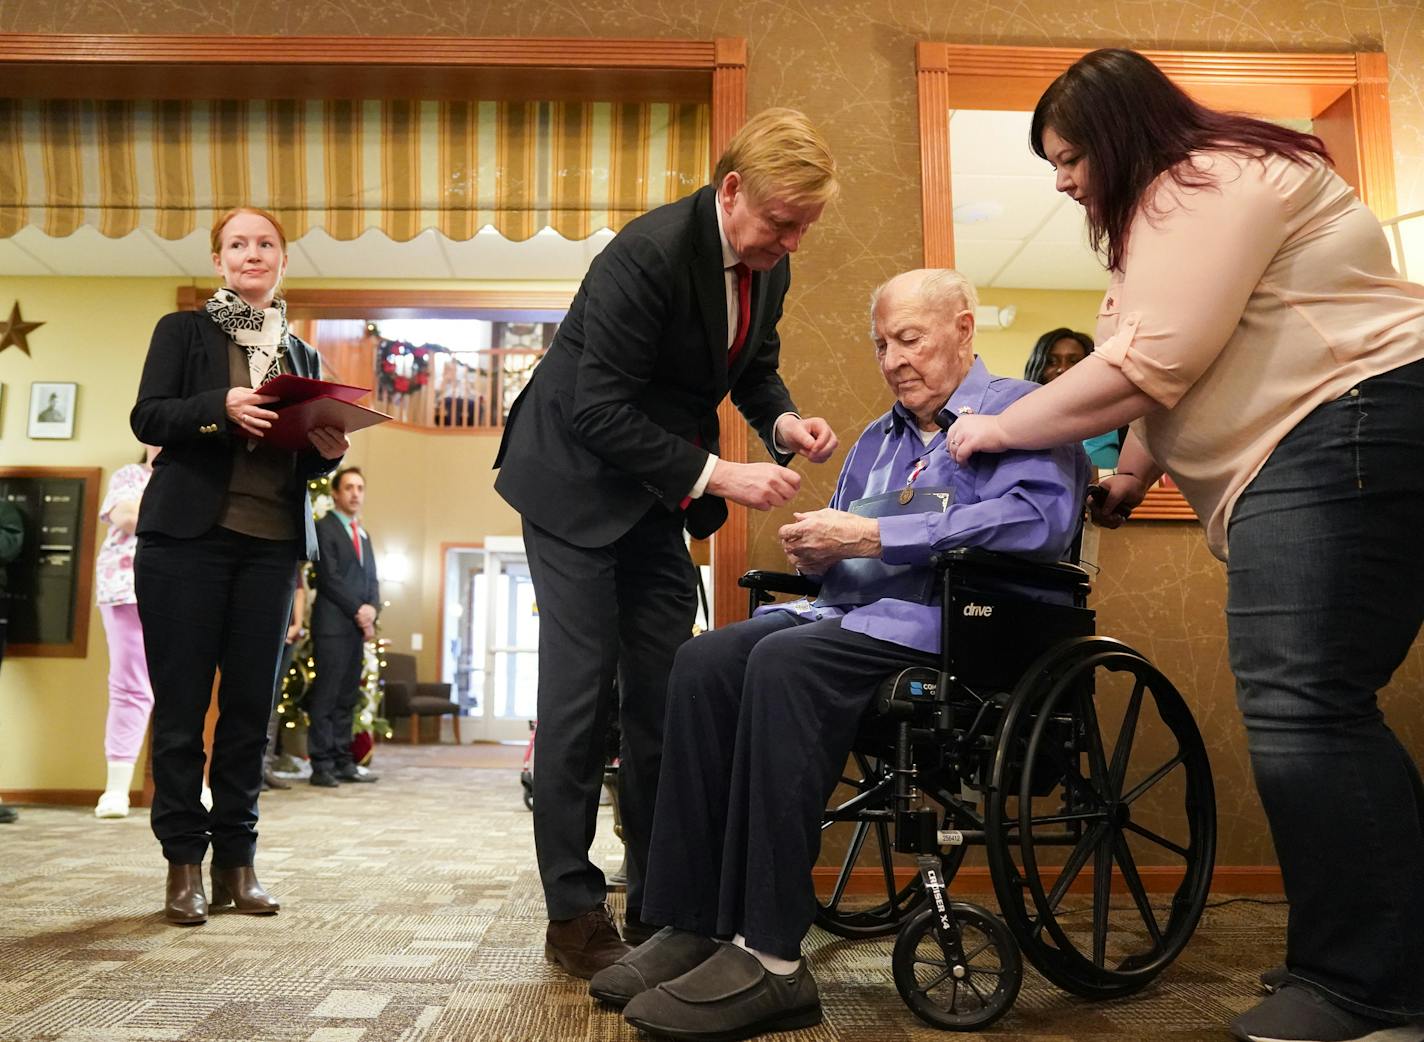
(331, 703)
(217, 602)
(613, 611)
(761, 717)
(1326, 595)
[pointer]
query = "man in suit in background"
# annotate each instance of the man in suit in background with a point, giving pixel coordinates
(611, 449)
(343, 619)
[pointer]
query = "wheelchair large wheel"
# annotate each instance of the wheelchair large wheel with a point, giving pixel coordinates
(869, 847)
(1101, 786)
(957, 994)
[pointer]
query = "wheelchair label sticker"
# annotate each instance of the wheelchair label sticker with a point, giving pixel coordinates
(978, 611)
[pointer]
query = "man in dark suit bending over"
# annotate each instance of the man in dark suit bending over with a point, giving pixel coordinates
(611, 449)
(343, 619)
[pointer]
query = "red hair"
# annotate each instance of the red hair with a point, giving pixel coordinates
(221, 223)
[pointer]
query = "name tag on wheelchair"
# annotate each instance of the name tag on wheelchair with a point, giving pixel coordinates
(862, 580)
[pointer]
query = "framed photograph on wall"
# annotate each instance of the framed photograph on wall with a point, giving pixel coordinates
(52, 410)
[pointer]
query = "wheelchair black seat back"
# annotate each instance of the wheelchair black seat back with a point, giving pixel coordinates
(1068, 757)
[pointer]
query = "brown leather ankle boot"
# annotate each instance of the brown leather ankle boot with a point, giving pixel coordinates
(185, 904)
(239, 887)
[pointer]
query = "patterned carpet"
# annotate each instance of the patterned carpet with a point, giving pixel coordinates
(412, 913)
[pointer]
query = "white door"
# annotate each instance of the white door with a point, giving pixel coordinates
(493, 659)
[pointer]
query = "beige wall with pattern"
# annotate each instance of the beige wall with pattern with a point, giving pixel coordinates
(850, 65)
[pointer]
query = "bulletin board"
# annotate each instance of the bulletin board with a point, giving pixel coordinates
(52, 581)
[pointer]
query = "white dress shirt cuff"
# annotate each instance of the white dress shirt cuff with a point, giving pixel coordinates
(701, 485)
(776, 434)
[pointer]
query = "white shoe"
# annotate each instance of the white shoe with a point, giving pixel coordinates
(113, 805)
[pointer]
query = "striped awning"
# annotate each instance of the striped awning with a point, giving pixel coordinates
(346, 166)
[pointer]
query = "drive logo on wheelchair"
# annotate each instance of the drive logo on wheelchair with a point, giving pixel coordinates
(979, 611)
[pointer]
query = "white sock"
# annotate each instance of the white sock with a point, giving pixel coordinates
(120, 778)
(783, 967)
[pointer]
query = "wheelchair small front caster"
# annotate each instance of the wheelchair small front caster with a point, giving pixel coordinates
(957, 990)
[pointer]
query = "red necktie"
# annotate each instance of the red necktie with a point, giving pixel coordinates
(744, 310)
(356, 539)
(744, 314)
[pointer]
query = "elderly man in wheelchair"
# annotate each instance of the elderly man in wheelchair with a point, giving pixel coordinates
(763, 714)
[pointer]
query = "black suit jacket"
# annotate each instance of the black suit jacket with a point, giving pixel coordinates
(342, 583)
(182, 399)
(622, 410)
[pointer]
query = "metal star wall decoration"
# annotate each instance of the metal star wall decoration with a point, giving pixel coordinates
(13, 332)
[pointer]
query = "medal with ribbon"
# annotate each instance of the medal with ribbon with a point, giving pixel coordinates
(908, 492)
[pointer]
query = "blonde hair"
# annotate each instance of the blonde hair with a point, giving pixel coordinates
(778, 153)
(221, 223)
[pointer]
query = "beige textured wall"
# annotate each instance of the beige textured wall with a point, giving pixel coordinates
(850, 65)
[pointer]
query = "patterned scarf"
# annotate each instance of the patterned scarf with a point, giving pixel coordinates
(261, 333)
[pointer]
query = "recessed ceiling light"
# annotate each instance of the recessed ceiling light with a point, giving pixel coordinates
(977, 213)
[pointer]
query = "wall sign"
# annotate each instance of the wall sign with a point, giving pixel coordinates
(51, 582)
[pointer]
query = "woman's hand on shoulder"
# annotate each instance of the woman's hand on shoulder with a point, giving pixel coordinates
(331, 442)
(244, 408)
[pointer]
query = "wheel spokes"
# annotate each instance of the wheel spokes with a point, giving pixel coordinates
(1074, 865)
(1133, 879)
(1161, 841)
(1102, 896)
(1123, 750)
(848, 865)
(1156, 776)
(1097, 758)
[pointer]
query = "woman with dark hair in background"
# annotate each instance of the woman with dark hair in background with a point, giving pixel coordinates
(222, 522)
(1273, 362)
(1056, 352)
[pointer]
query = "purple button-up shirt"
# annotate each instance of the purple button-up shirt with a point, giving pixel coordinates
(1026, 503)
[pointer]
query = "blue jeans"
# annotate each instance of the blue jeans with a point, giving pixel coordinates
(1326, 596)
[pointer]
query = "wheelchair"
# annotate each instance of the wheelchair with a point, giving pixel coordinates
(1066, 756)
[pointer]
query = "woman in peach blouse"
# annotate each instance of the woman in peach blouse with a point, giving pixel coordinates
(1268, 358)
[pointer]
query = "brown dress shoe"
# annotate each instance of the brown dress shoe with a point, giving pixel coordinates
(585, 944)
(185, 904)
(239, 887)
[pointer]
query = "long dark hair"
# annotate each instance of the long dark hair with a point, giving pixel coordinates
(1131, 123)
(1038, 357)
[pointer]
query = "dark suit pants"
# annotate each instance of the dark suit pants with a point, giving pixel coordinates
(761, 717)
(613, 611)
(331, 703)
(217, 602)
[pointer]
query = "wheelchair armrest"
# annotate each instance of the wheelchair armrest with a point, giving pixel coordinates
(779, 582)
(1051, 574)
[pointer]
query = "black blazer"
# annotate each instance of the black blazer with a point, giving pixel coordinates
(182, 407)
(622, 410)
(342, 583)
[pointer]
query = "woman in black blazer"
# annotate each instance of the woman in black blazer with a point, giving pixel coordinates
(221, 522)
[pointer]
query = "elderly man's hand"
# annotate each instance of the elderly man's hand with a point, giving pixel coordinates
(820, 538)
(812, 438)
(970, 434)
